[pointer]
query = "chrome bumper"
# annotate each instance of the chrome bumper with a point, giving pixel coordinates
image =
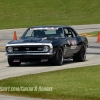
(19, 54)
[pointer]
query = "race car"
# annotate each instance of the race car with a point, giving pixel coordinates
(54, 43)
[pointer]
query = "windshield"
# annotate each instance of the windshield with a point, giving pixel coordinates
(43, 32)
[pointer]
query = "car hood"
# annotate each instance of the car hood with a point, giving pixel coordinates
(34, 40)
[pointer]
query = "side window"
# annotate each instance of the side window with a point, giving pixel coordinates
(68, 33)
(71, 31)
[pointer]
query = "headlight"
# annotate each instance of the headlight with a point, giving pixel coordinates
(9, 49)
(46, 48)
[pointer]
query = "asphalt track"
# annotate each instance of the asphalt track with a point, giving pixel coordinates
(93, 57)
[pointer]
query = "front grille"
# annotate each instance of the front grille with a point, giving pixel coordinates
(28, 48)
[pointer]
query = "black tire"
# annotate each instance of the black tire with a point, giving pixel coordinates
(11, 63)
(81, 55)
(58, 58)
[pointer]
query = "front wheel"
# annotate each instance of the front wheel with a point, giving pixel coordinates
(12, 63)
(58, 58)
(81, 55)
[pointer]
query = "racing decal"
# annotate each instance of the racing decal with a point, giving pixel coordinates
(37, 28)
(65, 49)
(46, 28)
(73, 47)
(73, 44)
(51, 28)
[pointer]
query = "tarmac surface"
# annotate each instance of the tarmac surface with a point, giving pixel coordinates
(93, 57)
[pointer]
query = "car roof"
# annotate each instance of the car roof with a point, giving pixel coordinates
(55, 26)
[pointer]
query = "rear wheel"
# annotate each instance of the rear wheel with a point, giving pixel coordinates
(12, 63)
(81, 55)
(58, 58)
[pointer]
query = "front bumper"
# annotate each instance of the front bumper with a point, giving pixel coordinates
(19, 54)
(31, 55)
(26, 57)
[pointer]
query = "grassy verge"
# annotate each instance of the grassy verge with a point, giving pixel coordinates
(91, 34)
(19, 13)
(72, 84)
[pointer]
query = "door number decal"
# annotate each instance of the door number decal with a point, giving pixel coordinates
(73, 44)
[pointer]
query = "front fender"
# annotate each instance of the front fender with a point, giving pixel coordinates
(57, 45)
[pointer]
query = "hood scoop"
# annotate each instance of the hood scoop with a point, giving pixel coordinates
(35, 40)
(32, 40)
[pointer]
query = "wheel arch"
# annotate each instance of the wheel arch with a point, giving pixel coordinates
(84, 44)
(62, 47)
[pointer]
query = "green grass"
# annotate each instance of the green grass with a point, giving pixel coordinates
(90, 34)
(93, 34)
(72, 84)
(19, 13)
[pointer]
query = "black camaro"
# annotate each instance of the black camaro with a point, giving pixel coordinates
(53, 43)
